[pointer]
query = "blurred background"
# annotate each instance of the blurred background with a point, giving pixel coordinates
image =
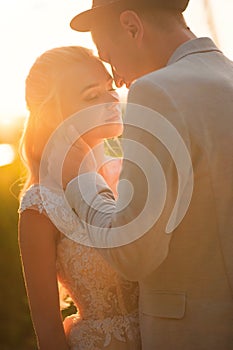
(28, 28)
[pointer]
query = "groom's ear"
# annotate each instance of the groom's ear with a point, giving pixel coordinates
(132, 25)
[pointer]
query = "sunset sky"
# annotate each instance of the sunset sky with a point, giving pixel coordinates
(29, 27)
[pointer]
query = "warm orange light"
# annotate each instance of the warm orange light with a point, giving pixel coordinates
(7, 154)
(10, 121)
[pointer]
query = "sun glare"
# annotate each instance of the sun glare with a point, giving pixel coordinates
(10, 121)
(7, 154)
(214, 20)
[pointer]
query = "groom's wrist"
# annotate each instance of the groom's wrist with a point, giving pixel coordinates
(83, 190)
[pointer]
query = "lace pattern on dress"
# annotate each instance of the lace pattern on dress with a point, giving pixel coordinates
(97, 334)
(55, 206)
(31, 200)
(105, 301)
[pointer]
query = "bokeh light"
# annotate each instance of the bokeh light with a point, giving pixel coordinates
(7, 154)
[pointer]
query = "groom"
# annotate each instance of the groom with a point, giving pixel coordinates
(185, 273)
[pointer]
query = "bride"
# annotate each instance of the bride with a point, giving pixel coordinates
(61, 82)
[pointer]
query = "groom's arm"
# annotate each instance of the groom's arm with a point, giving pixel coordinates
(133, 225)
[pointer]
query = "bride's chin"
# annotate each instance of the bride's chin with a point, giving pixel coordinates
(107, 132)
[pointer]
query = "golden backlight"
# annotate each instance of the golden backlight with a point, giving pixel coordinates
(38, 25)
(7, 154)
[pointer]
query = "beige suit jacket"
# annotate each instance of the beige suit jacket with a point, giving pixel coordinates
(185, 277)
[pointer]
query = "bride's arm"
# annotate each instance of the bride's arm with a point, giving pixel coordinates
(37, 241)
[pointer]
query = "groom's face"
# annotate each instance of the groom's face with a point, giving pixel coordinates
(120, 52)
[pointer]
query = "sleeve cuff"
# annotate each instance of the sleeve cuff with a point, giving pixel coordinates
(82, 191)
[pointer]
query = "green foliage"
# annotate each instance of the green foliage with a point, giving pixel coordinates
(16, 330)
(113, 147)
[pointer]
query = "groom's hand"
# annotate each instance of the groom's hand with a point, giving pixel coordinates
(68, 157)
(78, 160)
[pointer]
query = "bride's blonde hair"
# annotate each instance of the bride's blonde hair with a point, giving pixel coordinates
(45, 113)
(44, 105)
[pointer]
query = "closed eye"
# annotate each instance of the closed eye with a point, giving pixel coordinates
(91, 96)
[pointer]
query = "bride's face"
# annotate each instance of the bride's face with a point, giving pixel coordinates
(87, 84)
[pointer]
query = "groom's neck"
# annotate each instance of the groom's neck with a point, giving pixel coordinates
(160, 45)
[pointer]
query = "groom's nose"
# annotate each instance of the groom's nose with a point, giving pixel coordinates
(118, 80)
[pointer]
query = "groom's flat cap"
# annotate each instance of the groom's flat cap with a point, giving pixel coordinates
(84, 20)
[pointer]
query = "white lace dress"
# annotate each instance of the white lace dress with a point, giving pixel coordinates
(107, 316)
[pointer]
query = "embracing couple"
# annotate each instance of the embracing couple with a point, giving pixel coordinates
(157, 272)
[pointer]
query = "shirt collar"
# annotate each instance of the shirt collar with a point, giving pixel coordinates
(192, 46)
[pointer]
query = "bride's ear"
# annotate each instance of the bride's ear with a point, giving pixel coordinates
(132, 25)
